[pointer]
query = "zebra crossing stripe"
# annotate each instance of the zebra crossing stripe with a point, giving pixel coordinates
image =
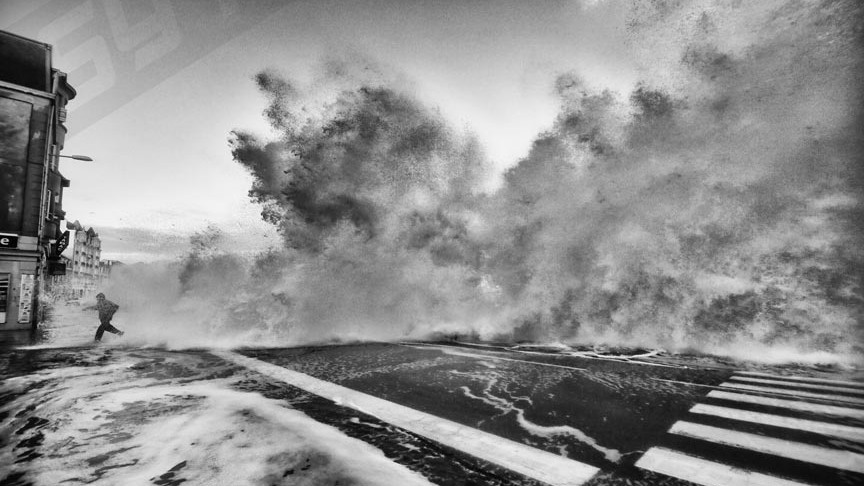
(706, 472)
(832, 410)
(701, 471)
(812, 386)
(804, 379)
(839, 459)
(796, 393)
(824, 428)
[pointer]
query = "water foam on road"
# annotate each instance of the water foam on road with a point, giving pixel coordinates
(508, 405)
(137, 422)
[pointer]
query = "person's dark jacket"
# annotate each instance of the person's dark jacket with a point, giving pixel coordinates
(106, 309)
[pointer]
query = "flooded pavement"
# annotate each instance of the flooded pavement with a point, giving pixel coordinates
(373, 414)
(610, 410)
(114, 415)
(124, 416)
(598, 412)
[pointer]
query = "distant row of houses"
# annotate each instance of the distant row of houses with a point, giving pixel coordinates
(85, 270)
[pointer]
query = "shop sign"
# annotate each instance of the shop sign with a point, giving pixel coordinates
(8, 240)
(62, 244)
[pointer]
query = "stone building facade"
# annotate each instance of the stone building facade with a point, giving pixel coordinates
(33, 98)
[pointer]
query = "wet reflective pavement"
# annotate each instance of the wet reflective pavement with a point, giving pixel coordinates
(637, 417)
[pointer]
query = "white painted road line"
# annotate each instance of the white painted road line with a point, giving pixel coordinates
(835, 458)
(832, 410)
(706, 473)
(804, 378)
(528, 461)
(840, 389)
(825, 428)
(796, 393)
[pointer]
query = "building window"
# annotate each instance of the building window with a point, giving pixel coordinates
(15, 121)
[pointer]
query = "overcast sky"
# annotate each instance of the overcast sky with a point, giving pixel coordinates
(163, 165)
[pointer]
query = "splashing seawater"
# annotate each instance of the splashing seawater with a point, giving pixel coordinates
(714, 207)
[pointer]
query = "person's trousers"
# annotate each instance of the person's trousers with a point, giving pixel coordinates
(106, 326)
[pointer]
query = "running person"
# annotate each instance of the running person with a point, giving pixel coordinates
(106, 310)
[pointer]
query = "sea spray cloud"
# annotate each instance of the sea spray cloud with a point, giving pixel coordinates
(690, 214)
(374, 195)
(715, 205)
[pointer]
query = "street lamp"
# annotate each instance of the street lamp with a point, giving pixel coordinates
(77, 157)
(45, 204)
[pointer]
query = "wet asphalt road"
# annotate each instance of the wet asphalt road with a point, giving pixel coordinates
(604, 410)
(620, 408)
